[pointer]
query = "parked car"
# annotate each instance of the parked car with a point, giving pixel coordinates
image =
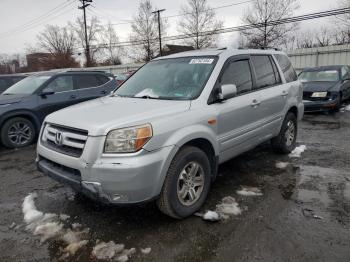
(162, 134)
(24, 105)
(8, 80)
(121, 78)
(325, 87)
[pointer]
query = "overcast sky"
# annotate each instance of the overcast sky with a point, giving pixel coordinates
(16, 32)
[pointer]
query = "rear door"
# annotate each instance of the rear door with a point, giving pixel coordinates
(64, 95)
(237, 118)
(272, 95)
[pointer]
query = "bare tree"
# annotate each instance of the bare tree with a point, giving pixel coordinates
(305, 39)
(59, 42)
(94, 30)
(145, 32)
(342, 32)
(262, 13)
(199, 24)
(324, 37)
(112, 51)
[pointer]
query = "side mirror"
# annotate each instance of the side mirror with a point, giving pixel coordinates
(47, 91)
(227, 91)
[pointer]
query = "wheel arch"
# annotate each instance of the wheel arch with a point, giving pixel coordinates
(24, 114)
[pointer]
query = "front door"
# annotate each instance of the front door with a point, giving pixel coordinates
(238, 117)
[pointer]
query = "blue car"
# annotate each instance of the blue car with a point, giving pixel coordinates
(325, 87)
(24, 105)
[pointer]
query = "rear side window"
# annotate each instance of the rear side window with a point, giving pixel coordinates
(86, 81)
(265, 74)
(102, 79)
(288, 71)
(239, 74)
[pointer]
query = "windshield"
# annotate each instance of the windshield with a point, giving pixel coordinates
(26, 86)
(319, 76)
(175, 79)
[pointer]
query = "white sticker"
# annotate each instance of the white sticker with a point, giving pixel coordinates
(201, 61)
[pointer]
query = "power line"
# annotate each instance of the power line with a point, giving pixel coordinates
(39, 20)
(184, 14)
(294, 19)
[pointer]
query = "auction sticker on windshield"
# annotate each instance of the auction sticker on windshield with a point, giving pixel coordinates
(201, 61)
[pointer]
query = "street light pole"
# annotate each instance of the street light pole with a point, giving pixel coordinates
(87, 47)
(159, 30)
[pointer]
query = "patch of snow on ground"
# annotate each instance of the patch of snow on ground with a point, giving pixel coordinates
(249, 191)
(211, 216)
(228, 207)
(347, 108)
(48, 230)
(297, 151)
(146, 250)
(112, 251)
(282, 165)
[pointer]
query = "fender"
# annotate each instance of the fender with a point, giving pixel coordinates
(186, 134)
(19, 113)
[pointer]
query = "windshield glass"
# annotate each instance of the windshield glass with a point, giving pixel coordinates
(175, 79)
(26, 86)
(319, 76)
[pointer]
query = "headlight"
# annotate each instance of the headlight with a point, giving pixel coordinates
(319, 94)
(128, 140)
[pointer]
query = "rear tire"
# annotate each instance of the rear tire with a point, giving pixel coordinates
(17, 132)
(285, 142)
(187, 183)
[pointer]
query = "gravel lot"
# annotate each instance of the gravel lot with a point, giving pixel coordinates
(303, 214)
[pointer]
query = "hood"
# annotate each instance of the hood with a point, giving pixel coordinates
(11, 99)
(319, 86)
(101, 115)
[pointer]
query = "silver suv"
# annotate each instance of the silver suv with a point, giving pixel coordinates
(163, 133)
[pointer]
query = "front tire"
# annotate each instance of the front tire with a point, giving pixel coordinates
(285, 142)
(187, 183)
(17, 132)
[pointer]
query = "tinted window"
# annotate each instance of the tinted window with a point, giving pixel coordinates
(86, 81)
(102, 79)
(61, 84)
(3, 84)
(287, 68)
(238, 73)
(265, 76)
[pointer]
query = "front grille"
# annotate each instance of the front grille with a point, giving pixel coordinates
(65, 140)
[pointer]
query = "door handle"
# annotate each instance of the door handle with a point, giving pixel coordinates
(284, 93)
(255, 103)
(73, 96)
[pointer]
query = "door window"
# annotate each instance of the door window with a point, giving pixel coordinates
(102, 79)
(289, 73)
(265, 75)
(239, 74)
(86, 81)
(61, 84)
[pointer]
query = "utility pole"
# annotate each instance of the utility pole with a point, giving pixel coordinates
(87, 47)
(159, 30)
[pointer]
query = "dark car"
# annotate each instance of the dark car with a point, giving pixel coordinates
(325, 88)
(8, 80)
(24, 105)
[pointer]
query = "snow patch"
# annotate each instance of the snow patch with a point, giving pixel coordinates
(146, 250)
(347, 108)
(48, 230)
(297, 151)
(228, 207)
(211, 216)
(281, 165)
(249, 191)
(112, 251)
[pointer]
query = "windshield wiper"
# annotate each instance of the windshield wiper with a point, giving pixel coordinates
(146, 97)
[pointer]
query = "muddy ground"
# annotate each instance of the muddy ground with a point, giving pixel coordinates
(303, 215)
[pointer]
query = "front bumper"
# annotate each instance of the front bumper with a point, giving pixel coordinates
(116, 179)
(320, 106)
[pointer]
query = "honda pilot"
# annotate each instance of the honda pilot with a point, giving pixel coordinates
(162, 134)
